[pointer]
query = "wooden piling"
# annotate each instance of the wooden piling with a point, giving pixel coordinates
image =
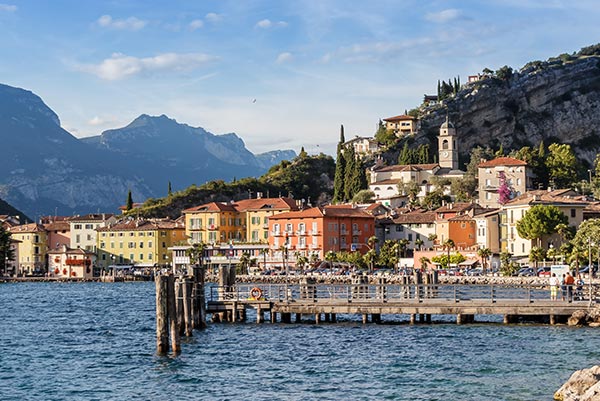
(162, 317)
(459, 319)
(552, 320)
(333, 318)
(273, 317)
(260, 318)
(179, 305)
(298, 317)
(317, 318)
(187, 307)
(365, 318)
(412, 318)
(172, 312)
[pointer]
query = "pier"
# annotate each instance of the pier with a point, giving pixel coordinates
(323, 302)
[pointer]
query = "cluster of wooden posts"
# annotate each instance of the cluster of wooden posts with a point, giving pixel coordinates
(180, 308)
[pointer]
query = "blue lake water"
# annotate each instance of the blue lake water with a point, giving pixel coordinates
(95, 341)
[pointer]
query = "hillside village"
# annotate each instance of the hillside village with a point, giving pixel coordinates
(266, 234)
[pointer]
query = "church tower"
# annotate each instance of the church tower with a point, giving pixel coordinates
(448, 152)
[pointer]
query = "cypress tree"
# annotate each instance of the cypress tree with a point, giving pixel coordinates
(438, 91)
(404, 157)
(303, 153)
(129, 204)
(352, 185)
(170, 191)
(340, 171)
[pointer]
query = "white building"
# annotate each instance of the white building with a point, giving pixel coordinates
(83, 229)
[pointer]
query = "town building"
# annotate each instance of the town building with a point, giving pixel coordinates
(255, 214)
(59, 231)
(513, 174)
(401, 125)
(83, 230)
(318, 230)
(488, 229)
(32, 248)
(455, 221)
(65, 262)
(140, 242)
(385, 180)
(363, 146)
(414, 225)
(213, 223)
(567, 201)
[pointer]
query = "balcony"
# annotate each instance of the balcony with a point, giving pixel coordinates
(315, 232)
(275, 233)
(213, 227)
(301, 232)
(315, 246)
(356, 232)
(343, 231)
(301, 246)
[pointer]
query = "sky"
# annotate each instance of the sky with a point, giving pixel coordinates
(280, 74)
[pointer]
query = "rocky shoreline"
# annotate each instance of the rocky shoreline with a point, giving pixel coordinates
(583, 385)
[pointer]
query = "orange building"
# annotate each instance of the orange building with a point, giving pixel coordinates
(318, 230)
(462, 230)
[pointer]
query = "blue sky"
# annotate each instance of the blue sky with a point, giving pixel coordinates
(311, 65)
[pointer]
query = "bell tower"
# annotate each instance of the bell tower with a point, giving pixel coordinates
(448, 152)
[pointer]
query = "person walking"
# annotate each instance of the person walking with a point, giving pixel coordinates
(579, 283)
(553, 287)
(569, 281)
(563, 287)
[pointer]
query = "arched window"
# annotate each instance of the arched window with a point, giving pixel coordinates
(445, 144)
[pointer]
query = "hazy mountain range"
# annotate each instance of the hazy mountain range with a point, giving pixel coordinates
(46, 170)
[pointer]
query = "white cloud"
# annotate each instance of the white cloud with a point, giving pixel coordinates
(120, 66)
(8, 7)
(131, 23)
(443, 16)
(213, 17)
(267, 23)
(284, 58)
(196, 24)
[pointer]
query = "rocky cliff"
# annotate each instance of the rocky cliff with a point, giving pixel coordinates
(556, 101)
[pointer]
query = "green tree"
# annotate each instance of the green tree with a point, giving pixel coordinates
(448, 245)
(6, 253)
(340, 173)
(244, 263)
(504, 73)
(301, 262)
(385, 136)
(562, 165)
(303, 153)
(410, 189)
(364, 196)
(405, 156)
(484, 254)
(537, 254)
(419, 243)
(170, 191)
(434, 199)
(540, 220)
(350, 185)
(129, 204)
(424, 260)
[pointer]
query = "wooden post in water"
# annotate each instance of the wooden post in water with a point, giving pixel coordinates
(172, 311)
(187, 307)
(365, 318)
(412, 318)
(317, 318)
(333, 318)
(179, 305)
(162, 317)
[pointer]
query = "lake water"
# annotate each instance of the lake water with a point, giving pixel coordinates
(96, 341)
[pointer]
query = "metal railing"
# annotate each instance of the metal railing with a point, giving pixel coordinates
(491, 293)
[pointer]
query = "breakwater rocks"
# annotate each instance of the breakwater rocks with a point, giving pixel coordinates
(583, 385)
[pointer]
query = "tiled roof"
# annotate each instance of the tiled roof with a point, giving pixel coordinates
(58, 226)
(486, 212)
(330, 211)
(27, 228)
(386, 182)
(415, 217)
(503, 161)
(266, 204)
(542, 197)
(407, 167)
(92, 217)
(461, 217)
(142, 225)
(212, 207)
(454, 207)
(401, 117)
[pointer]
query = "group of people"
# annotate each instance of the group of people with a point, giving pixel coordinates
(567, 284)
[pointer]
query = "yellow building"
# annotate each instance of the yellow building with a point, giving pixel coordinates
(144, 243)
(213, 223)
(32, 248)
(255, 214)
(401, 125)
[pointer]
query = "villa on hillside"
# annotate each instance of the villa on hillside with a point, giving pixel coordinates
(363, 146)
(401, 125)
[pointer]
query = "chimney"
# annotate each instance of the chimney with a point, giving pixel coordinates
(259, 195)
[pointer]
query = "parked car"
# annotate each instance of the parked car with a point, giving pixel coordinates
(474, 272)
(544, 271)
(521, 270)
(526, 272)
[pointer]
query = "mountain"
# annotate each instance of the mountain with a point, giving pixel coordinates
(45, 170)
(557, 100)
(268, 159)
(7, 209)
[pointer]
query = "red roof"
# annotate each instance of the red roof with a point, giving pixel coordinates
(266, 204)
(331, 211)
(213, 207)
(503, 161)
(401, 117)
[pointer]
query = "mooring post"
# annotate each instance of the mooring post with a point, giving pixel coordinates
(412, 318)
(179, 305)
(333, 318)
(162, 317)
(365, 318)
(172, 312)
(187, 307)
(459, 319)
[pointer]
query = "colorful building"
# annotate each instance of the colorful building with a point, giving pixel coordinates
(213, 223)
(32, 248)
(59, 232)
(401, 125)
(255, 214)
(143, 243)
(318, 230)
(83, 230)
(64, 262)
(513, 173)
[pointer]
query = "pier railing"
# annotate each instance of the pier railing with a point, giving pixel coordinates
(491, 293)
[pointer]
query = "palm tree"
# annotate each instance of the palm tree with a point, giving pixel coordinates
(432, 238)
(244, 262)
(402, 244)
(196, 253)
(448, 244)
(424, 262)
(264, 252)
(301, 261)
(372, 241)
(419, 243)
(484, 254)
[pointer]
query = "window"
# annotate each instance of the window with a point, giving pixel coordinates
(399, 228)
(112, 245)
(89, 226)
(131, 256)
(445, 144)
(77, 227)
(131, 245)
(89, 237)
(150, 242)
(302, 227)
(103, 235)
(410, 237)
(523, 248)
(141, 256)
(102, 245)
(141, 234)
(573, 213)
(164, 244)
(150, 256)
(276, 228)
(141, 244)
(289, 228)
(77, 238)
